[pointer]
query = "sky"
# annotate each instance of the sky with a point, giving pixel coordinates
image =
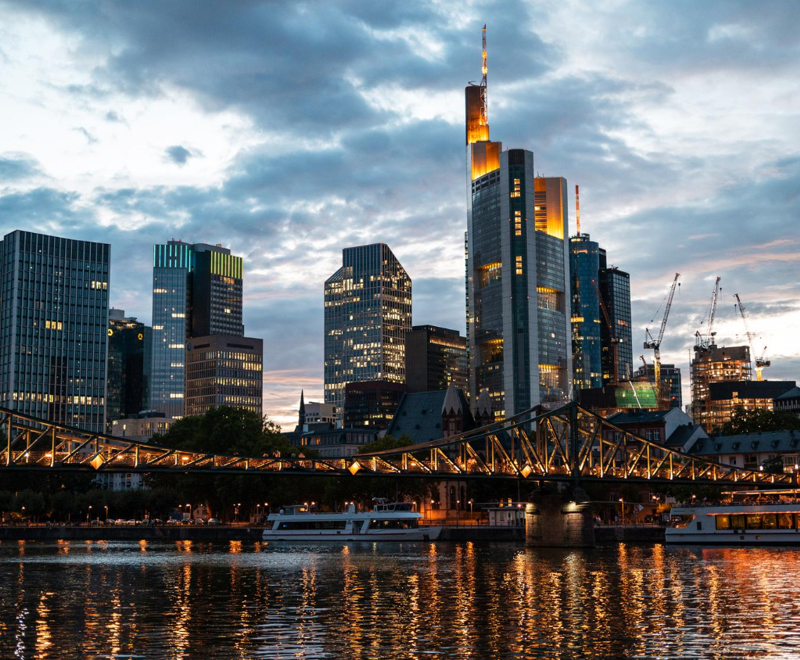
(290, 130)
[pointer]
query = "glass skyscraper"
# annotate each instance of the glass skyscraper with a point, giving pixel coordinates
(615, 287)
(586, 319)
(367, 316)
(517, 274)
(54, 328)
(129, 364)
(197, 291)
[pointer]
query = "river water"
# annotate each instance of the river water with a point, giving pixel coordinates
(461, 600)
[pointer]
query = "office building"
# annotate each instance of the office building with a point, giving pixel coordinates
(517, 273)
(670, 376)
(788, 401)
(223, 370)
(435, 357)
(371, 404)
(197, 291)
(615, 287)
(725, 397)
(129, 363)
(715, 364)
(587, 349)
(367, 316)
(54, 328)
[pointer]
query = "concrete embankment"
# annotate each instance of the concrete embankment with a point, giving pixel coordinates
(482, 533)
(177, 533)
(620, 534)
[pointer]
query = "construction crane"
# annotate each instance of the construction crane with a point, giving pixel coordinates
(704, 342)
(655, 343)
(612, 334)
(761, 361)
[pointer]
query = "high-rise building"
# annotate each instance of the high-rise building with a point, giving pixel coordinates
(223, 370)
(670, 377)
(54, 328)
(435, 357)
(587, 348)
(129, 363)
(197, 291)
(615, 287)
(715, 364)
(367, 316)
(371, 403)
(517, 317)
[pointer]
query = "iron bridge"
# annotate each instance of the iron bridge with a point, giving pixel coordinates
(565, 444)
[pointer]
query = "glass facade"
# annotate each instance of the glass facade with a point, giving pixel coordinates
(54, 328)
(435, 357)
(129, 363)
(197, 291)
(586, 321)
(615, 288)
(367, 315)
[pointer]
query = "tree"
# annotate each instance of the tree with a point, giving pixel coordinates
(386, 442)
(773, 465)
(755, 421)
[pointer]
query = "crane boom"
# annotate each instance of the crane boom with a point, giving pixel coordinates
(713, 312)
(655, 344)
(761, 361)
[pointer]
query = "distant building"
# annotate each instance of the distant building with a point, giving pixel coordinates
(788, 401)
(670, 376)
(317, 413)
(333, 442)
(715, 364)
(54, 328)
(725, 397)
(139, 427)
(587, 323)
(615, 288)
(129, 364)
(223, 370)
(197, 291)
(750, 451)
(371, 404)
(435, 357)
(673, 427)
(367, 316)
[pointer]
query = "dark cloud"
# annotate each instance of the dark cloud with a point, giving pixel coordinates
(179, 154)
(16, 167)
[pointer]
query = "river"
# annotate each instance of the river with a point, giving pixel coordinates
(460, 600)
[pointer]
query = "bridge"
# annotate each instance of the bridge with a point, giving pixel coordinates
(569, 443)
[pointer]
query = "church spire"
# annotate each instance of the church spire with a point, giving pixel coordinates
(302, 409)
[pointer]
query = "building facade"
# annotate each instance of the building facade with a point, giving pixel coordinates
(54, 328)
(725, 397)
(587, 349)
(435, 357)
(517, 273)
(670, 376)
(129, 364)
(367, 316)
(715, 364)
(615, 287)
(223, 370)
(197, 291)
(371, 404)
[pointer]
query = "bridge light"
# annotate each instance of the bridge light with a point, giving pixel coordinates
(526, 471)
(355, 467)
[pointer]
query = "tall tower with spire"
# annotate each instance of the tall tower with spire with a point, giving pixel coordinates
(302, 411)
(517, 272)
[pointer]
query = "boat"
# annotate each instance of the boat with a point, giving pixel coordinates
(768, 517)
(388, 521)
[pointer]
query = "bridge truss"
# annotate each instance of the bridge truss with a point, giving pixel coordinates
(566, 444)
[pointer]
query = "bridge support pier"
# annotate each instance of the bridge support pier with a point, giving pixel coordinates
(552, 523)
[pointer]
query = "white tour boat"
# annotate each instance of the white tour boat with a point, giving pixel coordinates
(386, 522)
(750, 518)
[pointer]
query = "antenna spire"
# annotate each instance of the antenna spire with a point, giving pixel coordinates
(484, 95)
(578, 207)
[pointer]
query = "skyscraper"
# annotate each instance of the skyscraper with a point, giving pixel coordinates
(197, 291)
(615, 287)
(586, 321)
(435, 357)
(517, 278)
(129, 364)
(54, 328)
(367, 315)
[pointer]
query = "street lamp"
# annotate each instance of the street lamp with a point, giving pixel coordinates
(622, 507)
(106, 507)
(471, 502)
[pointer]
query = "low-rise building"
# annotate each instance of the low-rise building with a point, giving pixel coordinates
(788, 401)
(332, 442)
(672, 428)
(725, 397)
(752, 450)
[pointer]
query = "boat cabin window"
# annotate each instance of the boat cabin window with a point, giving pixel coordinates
(313, 524)
(723, 522)
(785, 521)
(699, 525)
(376, 523)
(738, 521)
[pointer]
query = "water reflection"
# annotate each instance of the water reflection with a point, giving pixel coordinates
(365, 601)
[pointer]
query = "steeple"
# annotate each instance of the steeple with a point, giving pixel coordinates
(483, 408)
(302, 409)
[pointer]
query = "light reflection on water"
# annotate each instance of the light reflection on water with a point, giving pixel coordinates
(363, 601)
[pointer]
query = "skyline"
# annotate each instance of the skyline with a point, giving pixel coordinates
(118, 129)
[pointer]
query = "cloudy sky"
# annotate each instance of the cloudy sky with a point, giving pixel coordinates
(289, 130)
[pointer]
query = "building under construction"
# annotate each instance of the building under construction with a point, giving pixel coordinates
(715, 364)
